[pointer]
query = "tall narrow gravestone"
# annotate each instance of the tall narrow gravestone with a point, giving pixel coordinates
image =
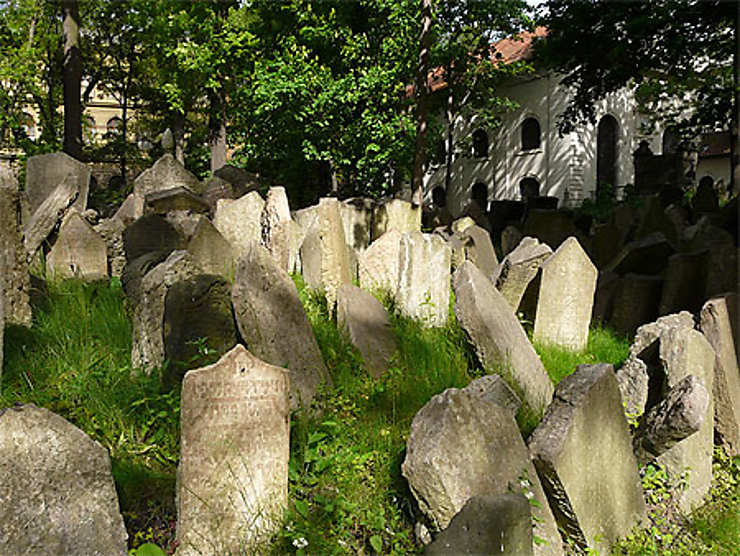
(566, 297)
(233, 475)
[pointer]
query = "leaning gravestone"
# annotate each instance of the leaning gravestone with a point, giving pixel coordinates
(150, 234)
(234, 451)
(497, 335)
(166, 173)
(79, 251)
(274, 325)
(684, 351)
(324, 255)
(519, 268)
(48, 215)
(44, 172)
(14, 277)
(478, 249)
(396, 214)
(461, 446)
(424, 278)
(148, 309)
(566, 297)
(196, 309)
(591, 479)
(716, 325)
(210, 251)
(56, 489)
(239, 220)
(369, 328)
(378, 264)
(275, 211)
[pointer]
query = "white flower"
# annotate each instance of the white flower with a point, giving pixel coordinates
(300, 542)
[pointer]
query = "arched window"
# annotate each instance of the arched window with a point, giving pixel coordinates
(529, 188)
(479, 194)
(671, 140)
(88, 129)
(607, 143)
(530, 134)
(114, 125)
(480, 143)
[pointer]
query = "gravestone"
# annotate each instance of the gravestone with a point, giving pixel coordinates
(274, 325)
(498, 336)
(591, 479)
(198, 323)
(242, 180)
(324, 257)
(284, 245)
(150, 234)
(499, 524)
(722, 270)
(48, 215)
(166, 173)
(396, 214)
(357, 219)
(566, 297)
(648, 255)
(684, 283)
(148, 309)
(275, 211)
(111, 232)
(175, 198)
(216, 189)
(716, 325)
(478, 249)
(239, 220)
(210, 251)
(56, 488)
(234, 451)
(462, 446)
(369, 328)
(378, 264)
(127, 212)
(605, 244)
(461, 224)
(424, 278)
(552, 227)
(45, 172)
(510, 238)
(607, 286)
(635, 302)
(685, 351)
(14, 277)
(79, 252)
(493, 388)
(519, 268)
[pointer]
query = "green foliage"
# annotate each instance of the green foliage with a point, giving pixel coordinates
(604, 346)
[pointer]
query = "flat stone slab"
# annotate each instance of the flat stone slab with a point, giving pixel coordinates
(648, 255)
(14, 277)
(274, 325)
(48, 215)
(210, 250)
(424, 278)
(498, 337)
(79, 251)
(45, 172)
(174, 198)
(461, 446)
(239, 220)
(369, 328)
(716, 325)
(234, 452)
(149, 234)
(582, 450)
(58, 483)
(566, 297)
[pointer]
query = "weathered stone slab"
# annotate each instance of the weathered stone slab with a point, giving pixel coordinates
(510, 238)
(216, 189)
(210, 251)
(519, 268)
(175, 198)
(148, 309)
(234, 451)
(134, 272)
(591, 479)
(635, 302)
(166, 173)
(606, 289)
(716, 326)
(197, 314)
(685, 351)
(275, 211)
(239, 220)
(274, 325)
(79, 252)
(685, 282)
(284, 245)
(478, 249)
(111, 232)
(552, 227)
(357, 219)
(184, 222)
(498, 337)
(369, 328)
(58, 483)
(722, 270)
(45, 172)
(396, 214)
(678, 416)
(493, 388)
(127, 212)
(634, 383)
(14, 278)
(48, 215)
(149, 234)
(324, 257)
(500, 524)
(424, 278)
(378, 264)
(461, 446)
(566, 297)
(242, 180)
(648, 255)
(461, 224)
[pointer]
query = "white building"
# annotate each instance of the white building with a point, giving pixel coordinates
(527, 156)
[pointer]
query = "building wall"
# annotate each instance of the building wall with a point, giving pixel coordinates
(565, 167)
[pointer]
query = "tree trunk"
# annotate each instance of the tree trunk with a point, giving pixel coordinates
(422, 93)
(72, 72)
